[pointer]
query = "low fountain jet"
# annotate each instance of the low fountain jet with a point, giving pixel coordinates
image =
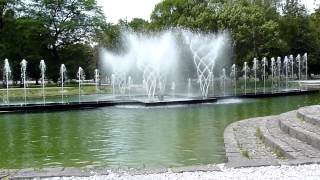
(63, 77)
(233, 75)
(96, 80)
(81, 77)
(23, 65)
(43, 68)
(6, 75)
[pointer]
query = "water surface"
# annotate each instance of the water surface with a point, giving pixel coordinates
(130, 135)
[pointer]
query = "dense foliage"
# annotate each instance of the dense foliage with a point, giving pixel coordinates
(72, 31)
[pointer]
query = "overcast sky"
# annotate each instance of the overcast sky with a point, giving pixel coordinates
(128, 9)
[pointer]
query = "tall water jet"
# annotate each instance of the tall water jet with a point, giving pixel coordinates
(173, 88)
(298, 59)
(43, 67)
(81, 77)
(211, 81)
(63, 71)
(264, 65)
(233, 75)
(96, 80)
(273, 67)
(279, 68)
(6, 75)
(113, 82)
(286, 64)
(291, 61)
(245, 69)
(121, 81)
(189, 87)
(129, 84)
(205, 49)
(23, 65)
(153, 55)
(305, 60)
(255, 67)
(223, 81)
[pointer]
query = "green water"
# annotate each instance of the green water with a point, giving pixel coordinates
(130, 136)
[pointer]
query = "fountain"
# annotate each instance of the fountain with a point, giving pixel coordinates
(305, 60)
(279, 68)
(189, 87)
(273, 67)
(173, 88)
(205, 50)
(167, 68)
(63, 76)
(154, 56)
(264, 65)
(43, 67)
(233, 75)
(23, 65)
(113, 82)
(291, 61)
(129, 85)
(6, 75)
(81, 77)
(211, 82)
(255, 67)
(155, 82)
(223, 81)
(245, 69)
(298, 59)
(96, 80)
(278, 72)
(121, 81)
(286, 64)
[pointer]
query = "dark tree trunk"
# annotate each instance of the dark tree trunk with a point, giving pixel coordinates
(56, 54)
(57, 62)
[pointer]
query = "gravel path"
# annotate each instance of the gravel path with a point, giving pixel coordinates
(269, 172)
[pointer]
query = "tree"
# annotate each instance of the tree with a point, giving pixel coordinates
(110, 37)
(299, 32)
(6, 6)
(253, 34)
(76, 55)
(138, 24)
(67, 22)
(192, 14)
(22, 40)
(315, 54)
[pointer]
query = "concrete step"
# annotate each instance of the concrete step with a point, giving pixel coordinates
(300, 129)
(310, 114)
(240, 138)
(285, 145)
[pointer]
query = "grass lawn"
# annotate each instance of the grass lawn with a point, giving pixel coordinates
(35, 92)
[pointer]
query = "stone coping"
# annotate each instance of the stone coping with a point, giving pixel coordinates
(30, 173)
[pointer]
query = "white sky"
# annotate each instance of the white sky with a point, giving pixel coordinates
(128, 9)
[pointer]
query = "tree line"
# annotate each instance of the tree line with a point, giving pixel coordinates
(72, 31)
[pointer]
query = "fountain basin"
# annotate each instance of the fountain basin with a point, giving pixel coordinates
(139, 101)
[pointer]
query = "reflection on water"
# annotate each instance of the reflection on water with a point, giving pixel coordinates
(121, 136)
(232, 101)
